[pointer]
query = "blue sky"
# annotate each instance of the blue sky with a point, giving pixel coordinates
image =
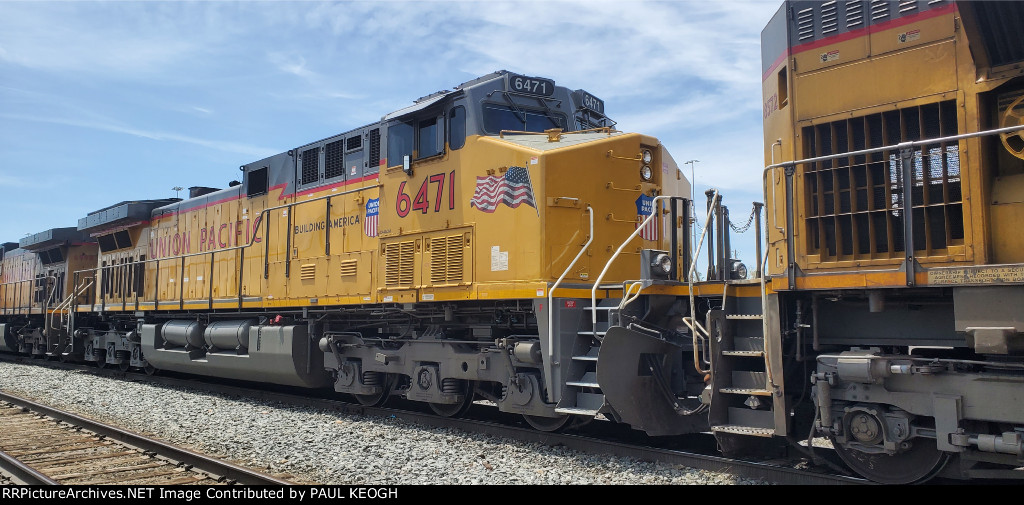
(108, 101)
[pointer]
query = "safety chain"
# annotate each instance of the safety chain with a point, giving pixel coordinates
(745, 227)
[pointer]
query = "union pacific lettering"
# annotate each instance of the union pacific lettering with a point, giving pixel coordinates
(321, 225)
(212, 238)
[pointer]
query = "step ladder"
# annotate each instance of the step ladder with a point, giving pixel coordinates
(582, 395)
(743, 400)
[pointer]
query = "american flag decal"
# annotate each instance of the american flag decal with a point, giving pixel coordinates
(372, 215)
(512, 189)
(644, 208)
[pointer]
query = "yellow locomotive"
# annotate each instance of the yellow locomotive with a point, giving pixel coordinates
(420, 256)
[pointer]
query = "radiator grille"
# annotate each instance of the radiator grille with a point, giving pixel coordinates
(349, 267)
(307, 272)
(354, 142)
(310, 166)
(334, 164)
(374, 148)
(398, 268)
(446, 259)
(854, 205)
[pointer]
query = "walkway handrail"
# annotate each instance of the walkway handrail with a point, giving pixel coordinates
(655, 210)
(551, 291)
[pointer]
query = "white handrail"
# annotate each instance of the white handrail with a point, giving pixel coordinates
(655, 210)
(693, 323)
(551, 291)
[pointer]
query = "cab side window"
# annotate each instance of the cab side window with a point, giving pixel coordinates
(400, 142)
(457, 128)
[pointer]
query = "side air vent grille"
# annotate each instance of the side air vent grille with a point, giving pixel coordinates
(399, 269)
(307, 272)
(374, 159)
(805, 24)
(349, 267)
(855, 204)
(334, 164)
(446, 259)
(829, 18)
(310, 166)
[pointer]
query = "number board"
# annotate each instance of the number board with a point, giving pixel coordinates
(530, 85)
(588, 101)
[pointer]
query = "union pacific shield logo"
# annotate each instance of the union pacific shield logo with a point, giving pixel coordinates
(372, 214)
(644, 208)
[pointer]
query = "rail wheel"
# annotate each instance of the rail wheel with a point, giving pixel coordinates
(1014, 116)
(468, 390)
(124, 366)
(917, 463)
(149, 369)
(549, 423)
(380, 398)
(101, 363)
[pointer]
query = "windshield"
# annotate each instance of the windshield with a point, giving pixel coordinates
(503, 117)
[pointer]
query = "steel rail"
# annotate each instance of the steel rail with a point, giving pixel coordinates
(742, 468)
(198, 461)
(22, 474)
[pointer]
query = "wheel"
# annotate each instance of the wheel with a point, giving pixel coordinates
(918, 463)
(549, 423)
(456, 409)
(149, 369)
(377, 399)
(1014, 116)
(124, 366)
(101, 363)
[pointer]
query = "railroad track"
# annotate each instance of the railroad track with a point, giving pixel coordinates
(40, 445)
(770, 472)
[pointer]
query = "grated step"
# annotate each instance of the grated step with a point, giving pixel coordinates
(744, 430)
(749, 354)
(744, 316)
(576, 411)
(601, 307)
(592, 333)
(743, 391)
(585, 358)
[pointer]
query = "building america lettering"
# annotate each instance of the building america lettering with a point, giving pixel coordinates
(322, 225)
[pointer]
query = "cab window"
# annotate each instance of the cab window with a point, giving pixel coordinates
(457, 128)
(502, 117)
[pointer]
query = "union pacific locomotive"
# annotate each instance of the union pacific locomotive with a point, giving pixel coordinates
(503, 241)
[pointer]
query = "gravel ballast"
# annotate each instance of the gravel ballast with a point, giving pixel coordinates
(327, 447)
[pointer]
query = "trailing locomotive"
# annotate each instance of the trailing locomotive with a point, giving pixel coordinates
(503, 241)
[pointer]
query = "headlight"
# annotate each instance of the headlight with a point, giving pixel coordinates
(662, 263)
(646, 173)
(739, 270)
(647, 157)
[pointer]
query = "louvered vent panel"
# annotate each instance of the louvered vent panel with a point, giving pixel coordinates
(399, 269)
(829, 18)
(438, 260)
(879, 9)
(854, 14)
(349, 267)
(455, 250)
(354, 142)
(307, 272)
(805, 24)
(907, 6)
(446, 259)
(310, 166)
(334, 164)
